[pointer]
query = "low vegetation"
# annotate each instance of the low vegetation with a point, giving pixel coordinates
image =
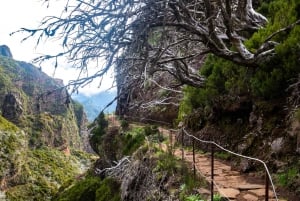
(41, 172)
(92, 189)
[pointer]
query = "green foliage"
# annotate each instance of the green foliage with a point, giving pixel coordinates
(12, 153)
(108, 191)
(222, 77)
(171, 165)
(153, 133)
(151, 130)
(217, 197)
(7, 126)
(272, 78)
(132, 140)
(222, 155)
(281, 13)
(30, 191)
(51, 163)
(267, 81)
(53, 130)
(40, 172)
(193, 198)
(98, 132)
(167, 162)
(197, 197)
(287, 178)
(91, 189)
(186, 189)
(124, 124)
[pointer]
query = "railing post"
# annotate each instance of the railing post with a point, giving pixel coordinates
(171, 141)
(212, 173)
(182, 144)
(194, 161)
(159, 137)
(267, 187)
(182, 152)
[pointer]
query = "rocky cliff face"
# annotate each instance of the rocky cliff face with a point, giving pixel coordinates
(41, 132)
(29, 98)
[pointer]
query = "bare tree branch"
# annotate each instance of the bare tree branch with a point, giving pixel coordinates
(154, 36)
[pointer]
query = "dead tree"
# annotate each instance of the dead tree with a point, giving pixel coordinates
(161, 35)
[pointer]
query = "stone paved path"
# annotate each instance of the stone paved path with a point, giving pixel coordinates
(229, 183)
(2, 196)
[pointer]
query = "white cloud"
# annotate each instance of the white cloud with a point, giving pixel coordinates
(15, 14)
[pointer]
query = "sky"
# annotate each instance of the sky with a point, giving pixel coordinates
(15, 14)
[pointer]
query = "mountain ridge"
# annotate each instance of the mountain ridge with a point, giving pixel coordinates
(42, 132)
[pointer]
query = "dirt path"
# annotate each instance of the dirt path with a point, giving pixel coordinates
(228, 183)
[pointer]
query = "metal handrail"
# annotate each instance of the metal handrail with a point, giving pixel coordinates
(240, 155)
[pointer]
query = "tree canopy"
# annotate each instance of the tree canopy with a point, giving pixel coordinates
(157, 35)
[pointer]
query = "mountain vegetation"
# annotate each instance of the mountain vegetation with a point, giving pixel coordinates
(131, 166)
(41, 144)
(225, 70)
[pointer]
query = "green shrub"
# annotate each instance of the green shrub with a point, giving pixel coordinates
(91, 189)
(108, 191)
(193, 198)
(124, 124)
(132, 140)
(286, 179)
(222, 77)
(269, 80)
(100, 126)
(83, 190)
(217, 197)
(151, 130)
(7, 126)
(167, 162)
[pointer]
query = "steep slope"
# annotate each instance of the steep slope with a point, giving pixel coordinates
(41, 132)
(29, 98)
(252, 111)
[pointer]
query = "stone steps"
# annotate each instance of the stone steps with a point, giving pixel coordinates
(2, 196)
(230, 184)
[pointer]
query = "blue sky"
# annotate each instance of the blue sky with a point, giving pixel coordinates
(15, 14)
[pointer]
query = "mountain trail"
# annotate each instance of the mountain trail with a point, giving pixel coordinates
(230, 184)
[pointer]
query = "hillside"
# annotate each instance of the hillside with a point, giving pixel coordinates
(41, 132)
(250, 110)
(213, 83)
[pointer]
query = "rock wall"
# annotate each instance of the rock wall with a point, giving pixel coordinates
(145, 101)
(38, 104)
(41, 132)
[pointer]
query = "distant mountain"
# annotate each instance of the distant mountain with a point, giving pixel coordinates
(93, 104)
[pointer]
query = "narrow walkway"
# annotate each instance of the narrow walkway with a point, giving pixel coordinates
(2, 196)
(228, 183)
